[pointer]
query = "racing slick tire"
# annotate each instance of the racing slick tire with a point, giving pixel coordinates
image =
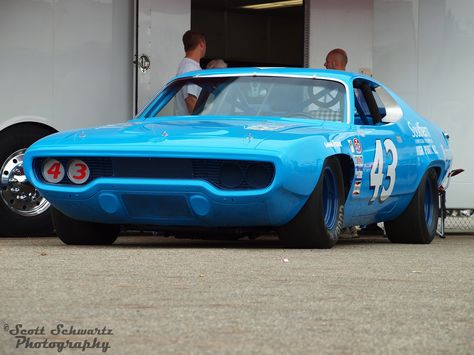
(319, 223)
(74, 232)
(417, 224)
(23, 211)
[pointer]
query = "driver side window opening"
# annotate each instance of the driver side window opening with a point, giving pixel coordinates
(369, 108)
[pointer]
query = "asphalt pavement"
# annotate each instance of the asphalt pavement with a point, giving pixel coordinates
(150, 295)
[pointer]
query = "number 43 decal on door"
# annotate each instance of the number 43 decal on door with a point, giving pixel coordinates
(376, 173)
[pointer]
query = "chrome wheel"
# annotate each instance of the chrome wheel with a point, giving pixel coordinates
(17, 193)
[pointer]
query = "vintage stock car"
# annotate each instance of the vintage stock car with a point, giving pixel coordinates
(299, 152)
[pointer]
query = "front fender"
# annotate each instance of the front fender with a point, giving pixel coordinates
(302, 162)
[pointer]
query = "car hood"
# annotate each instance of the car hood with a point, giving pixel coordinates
(173, 133)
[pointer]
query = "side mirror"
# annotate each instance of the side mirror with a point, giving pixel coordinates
(455, 172)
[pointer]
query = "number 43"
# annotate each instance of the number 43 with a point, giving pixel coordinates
(376, 173)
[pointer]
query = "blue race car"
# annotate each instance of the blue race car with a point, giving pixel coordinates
(300, 152)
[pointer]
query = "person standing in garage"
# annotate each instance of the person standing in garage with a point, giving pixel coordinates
(195, 49)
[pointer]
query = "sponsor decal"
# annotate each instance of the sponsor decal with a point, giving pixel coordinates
(419, 131)
(357, 185)
(351, 146)
(427, 149)
(357, 145)
(423, 140)
(265, 127)
(358, 160)
(435, 150)
(358, 173)
(333, 144)
(419, 150)
(399, 139)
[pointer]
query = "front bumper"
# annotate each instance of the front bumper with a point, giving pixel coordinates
(174, 203)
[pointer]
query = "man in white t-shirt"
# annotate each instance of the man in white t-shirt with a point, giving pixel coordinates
(195, 48)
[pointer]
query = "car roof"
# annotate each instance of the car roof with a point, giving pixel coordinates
(283, 72)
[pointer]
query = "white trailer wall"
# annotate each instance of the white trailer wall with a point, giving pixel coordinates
(66, 63)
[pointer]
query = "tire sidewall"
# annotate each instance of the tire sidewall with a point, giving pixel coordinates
(75, 232)
(308, 228)
(411, 226)
(429, 231)
(11, 223)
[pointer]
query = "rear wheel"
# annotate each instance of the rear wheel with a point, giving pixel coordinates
(74, 232)
(319, 222)
(417, 224)
(23, 211)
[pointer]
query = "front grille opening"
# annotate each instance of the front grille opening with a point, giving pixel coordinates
(225, 174)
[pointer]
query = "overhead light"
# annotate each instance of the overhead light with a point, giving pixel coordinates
(273, 5)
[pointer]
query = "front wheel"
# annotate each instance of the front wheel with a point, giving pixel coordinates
(319, 223)
(74, 232)
(417, 224)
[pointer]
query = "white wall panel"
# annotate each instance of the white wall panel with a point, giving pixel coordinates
(395, 47)
(341, 24)
(161, 26)
(446, 74)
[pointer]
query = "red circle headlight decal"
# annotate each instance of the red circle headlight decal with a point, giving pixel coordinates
(52, 171)
(78, 171)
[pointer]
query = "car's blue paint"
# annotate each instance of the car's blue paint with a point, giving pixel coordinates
(297, 147)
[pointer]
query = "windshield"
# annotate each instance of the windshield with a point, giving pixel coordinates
(256, 96)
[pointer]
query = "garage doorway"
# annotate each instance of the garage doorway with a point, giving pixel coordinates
(252, 33)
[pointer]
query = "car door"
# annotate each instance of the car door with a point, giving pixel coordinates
(382, 157)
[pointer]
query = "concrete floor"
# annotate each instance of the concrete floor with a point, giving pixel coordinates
(167, 296)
